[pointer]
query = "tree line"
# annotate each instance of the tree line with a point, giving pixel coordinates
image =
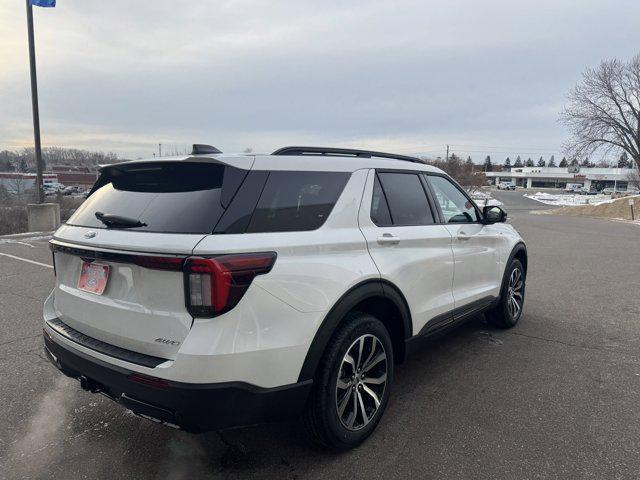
(622, 162)
(23, 160)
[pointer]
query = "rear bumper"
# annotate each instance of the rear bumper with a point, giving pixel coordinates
(192, 407)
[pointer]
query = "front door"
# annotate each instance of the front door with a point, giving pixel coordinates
(477, 264)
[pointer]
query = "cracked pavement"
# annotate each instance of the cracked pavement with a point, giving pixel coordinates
(556, 397)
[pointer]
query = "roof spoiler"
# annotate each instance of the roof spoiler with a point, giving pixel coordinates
(200, 149)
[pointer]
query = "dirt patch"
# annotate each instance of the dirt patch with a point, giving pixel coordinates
(618, 208)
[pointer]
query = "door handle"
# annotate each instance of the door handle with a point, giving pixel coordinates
(388, 239)
(463, 236)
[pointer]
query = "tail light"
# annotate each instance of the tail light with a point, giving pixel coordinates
(159, 263)
(215, 285)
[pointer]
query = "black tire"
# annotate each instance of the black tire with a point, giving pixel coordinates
(505, 314)
(324, 425)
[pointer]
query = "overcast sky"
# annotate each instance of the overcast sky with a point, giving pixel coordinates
(406, 76)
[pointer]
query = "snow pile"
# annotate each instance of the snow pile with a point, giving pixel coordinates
(569, 199)
(483, 198)
(618, 209)
(479, 195)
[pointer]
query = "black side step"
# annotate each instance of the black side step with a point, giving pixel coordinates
(446, 322)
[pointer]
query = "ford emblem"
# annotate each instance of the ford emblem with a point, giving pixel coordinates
(90, 234)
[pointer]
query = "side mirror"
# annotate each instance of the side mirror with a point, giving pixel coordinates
(493, 214)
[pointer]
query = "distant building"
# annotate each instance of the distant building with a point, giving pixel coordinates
(558, 177)
(16, 182)
(79, 179)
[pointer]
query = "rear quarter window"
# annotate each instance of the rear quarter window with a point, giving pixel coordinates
(296, 201)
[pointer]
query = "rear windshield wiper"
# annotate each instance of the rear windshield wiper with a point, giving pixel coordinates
(111, 220)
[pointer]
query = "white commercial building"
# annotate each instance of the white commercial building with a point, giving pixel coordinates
(559, 177)
(16, 182)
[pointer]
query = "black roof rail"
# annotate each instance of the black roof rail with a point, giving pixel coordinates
(342, 152)
(199, 149)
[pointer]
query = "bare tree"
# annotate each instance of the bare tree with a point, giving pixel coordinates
(463, 172)
(634, 179)
(16, 185)
(603, 113)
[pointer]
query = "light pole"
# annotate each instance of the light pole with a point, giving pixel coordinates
(34, 103)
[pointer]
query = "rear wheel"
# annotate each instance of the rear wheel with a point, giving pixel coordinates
(509, 309)
(352, 388)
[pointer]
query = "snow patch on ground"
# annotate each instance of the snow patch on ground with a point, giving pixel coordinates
(624, 220)
(483, 198)
(569, 199)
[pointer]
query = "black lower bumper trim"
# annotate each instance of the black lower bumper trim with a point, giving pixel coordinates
(192, 407)
(99, 346)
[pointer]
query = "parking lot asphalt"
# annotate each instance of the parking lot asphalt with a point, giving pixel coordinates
(558, 396)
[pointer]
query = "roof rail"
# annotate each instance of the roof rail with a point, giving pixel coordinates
(199, 149)
(342, 152)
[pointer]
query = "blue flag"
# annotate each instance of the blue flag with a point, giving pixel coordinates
(43, 3)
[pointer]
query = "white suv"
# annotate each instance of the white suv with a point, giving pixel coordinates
(211, 290)
(506, 186)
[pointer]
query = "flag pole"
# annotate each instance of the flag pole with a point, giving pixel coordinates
(34, 104)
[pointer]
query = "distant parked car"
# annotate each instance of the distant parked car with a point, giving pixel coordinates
(588, 191)
(506, 186)
(613, 191)
(73, 190)
(52, 188)
(573, 187)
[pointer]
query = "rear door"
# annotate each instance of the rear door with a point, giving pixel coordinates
(407, 245)
(159, 211)
(478, 266)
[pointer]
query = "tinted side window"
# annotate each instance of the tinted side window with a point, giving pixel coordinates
(407, 199)
(379, 209)
(296, 201)
(455, 206)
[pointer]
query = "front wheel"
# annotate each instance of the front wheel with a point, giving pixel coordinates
(509, 310)
(352, 387)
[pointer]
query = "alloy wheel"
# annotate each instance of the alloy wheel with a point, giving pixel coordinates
(515, 294)
(361, 382)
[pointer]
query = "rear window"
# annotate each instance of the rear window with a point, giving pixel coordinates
(170, 197)
(296, 201)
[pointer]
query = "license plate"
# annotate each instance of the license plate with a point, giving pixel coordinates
(93, 277)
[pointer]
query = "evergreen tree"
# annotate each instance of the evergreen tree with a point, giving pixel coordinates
(468, 165)
(542, 163)
(585, 163)
(574, 162)
(507, 163)
(488, 167)
(518, 162)
(563, 162)
(529, 162)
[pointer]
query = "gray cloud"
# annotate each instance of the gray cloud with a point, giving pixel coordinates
(404, 75)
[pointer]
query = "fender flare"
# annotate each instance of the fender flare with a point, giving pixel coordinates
(346, 303)
(519, 247)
